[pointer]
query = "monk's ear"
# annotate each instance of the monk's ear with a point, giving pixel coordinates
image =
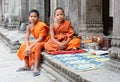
(53, 16)
(28, 17)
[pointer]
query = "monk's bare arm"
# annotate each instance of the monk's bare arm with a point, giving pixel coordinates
(69, 35)
(36, 41)
(67, 41)
(27, 36)
(27, 50)
(52, 34)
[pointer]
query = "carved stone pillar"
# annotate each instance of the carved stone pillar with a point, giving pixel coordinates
(59, 3)
(39, 5)
(52, 8)
(13, 8)
(114, 51)
(24, 9)
(0, 10)
(74, 14)
(86, 16)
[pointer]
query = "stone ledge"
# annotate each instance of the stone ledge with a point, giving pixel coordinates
(113, 65)
(98, 75)
(57, 77)
(12, 45)
(69, 74)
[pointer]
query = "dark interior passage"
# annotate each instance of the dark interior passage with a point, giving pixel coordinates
(107, 20)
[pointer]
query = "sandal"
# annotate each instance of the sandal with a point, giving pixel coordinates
(23, 69)
(36, 73)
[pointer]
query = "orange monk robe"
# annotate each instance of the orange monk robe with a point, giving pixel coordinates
(40, 30)
(61, 33)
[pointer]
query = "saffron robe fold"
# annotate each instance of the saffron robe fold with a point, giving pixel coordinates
(61, 33)
(39, 30)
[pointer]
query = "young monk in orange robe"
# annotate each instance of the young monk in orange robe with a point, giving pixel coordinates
(61, 32)
(30, 52)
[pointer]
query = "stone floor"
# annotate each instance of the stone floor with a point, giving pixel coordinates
(99, 75)
(9, 63)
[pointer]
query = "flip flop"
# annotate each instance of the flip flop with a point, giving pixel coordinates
(22, 69)
(36, 73)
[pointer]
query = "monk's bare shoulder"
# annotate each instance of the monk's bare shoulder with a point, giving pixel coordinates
(29, 26)
(52, 26)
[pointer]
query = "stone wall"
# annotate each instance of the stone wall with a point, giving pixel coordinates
(94, 16)
(85, 15)
(0, 10)
(24, 9)
(114, 51)
(39, 5)
(91, 18)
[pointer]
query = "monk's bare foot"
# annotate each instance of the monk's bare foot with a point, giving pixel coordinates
(36, 72)
(24, 68)
(74, 48)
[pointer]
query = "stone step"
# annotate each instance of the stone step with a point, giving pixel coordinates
(98, 75)
(12, 45)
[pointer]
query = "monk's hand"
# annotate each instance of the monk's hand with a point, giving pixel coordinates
(27, 51)
(62, 46)
(65, 43)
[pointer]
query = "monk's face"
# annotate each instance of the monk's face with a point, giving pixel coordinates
(59, 15)
(33, 18)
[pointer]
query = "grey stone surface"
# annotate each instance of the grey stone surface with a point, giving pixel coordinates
(113, 65)
(98, 75)
(114, 51)
(39, 5)
(9, 63)
(101, 75)
(24, 10)
(0, 10)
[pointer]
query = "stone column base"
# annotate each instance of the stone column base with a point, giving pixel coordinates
(113, 65)
(91, 29)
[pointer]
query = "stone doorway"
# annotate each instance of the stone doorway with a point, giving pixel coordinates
(47, 11)
(107, 19)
